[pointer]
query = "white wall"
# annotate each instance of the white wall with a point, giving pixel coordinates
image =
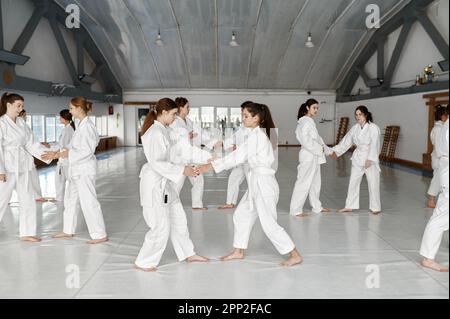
(408, 111)
(284, 107)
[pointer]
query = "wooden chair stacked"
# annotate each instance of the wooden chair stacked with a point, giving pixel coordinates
(389, 143)
(343, 128)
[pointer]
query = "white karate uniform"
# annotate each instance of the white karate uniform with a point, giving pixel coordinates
(179, 133)
(311, 156)
(17, 148)
(435, 185)
(81, 187)
(438, 222)
(263, 194)
(237, 175)
(367, 141)
(62, 168)
(36, 184)
(162, 209)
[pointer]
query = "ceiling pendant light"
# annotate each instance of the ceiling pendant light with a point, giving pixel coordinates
(233, 42)
(159, 42)
(309, 43)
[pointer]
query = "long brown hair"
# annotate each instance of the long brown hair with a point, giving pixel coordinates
(65, 114)
(9, 98)
(265, 117)
(181, 102)
(303, 110)
(83, 103)
(364, 110)
(164, 104)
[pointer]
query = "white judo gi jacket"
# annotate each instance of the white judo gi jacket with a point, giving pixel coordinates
(17, 148)
(367, 141)
(310, 140)
(82, 161)
(65, 139)
(182, 128)
(257, 152)
(442, 152)
(435, 132)
(158, 176)
(238, 138)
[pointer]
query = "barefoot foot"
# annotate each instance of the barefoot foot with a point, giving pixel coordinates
(197, 258)
(200, 208)
(62, 235)
(429, 263)
(236, 254)
(227, 206)
(31, 239)
(375, 213)
(345, 210)
(152, 269)
(97, 241)
(302, 215)
(326, 210)
(294, 259)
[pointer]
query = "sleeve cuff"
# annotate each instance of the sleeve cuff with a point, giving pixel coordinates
(218, 166)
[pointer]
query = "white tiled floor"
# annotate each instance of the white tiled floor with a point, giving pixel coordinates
(339, 250)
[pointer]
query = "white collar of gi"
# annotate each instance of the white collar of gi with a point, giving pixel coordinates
(364, 126)
(159, 123)
(10, 119)
(306, 117)
(83, 121)
(17, 125)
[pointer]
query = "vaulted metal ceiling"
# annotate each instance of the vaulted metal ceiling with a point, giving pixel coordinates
(196, 33)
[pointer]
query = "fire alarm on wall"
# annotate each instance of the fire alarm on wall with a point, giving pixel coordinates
(111, 110)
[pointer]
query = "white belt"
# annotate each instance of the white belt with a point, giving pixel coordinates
(250, 176)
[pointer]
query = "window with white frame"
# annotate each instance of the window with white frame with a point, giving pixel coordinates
(38, 127)
(223, 118)
(50, 128)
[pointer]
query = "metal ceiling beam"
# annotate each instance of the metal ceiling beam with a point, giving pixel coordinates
(63, 48)
(405, 18)
(57, 16)
(396, 55)
(79, 38)
(433, 33)
(106, 75)
(28, 31)
(380, 57)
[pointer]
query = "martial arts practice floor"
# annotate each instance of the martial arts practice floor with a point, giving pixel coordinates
(343, 253)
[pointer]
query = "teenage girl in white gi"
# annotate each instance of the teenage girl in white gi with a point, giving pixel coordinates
(365, 160)
(438, 223)
(82, 174)
(162, 209)
(17, 149)
(183, 129)
(311, 157)
(441, 115)
(237, 175)
(262, 197)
